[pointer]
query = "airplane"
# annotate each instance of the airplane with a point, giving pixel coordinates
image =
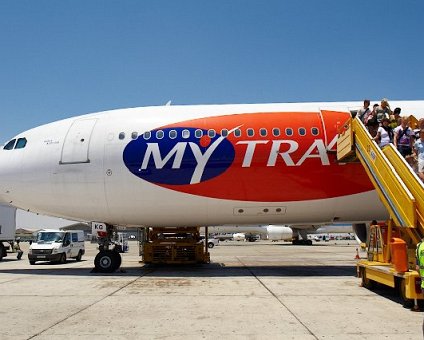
(193, 165)
(281, 232)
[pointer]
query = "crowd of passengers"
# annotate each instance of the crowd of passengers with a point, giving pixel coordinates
(386, 126)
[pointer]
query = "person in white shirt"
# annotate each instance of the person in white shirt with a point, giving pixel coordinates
(384, 133)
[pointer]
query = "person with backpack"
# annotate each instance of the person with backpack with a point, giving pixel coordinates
(365, 111)
(403, 137)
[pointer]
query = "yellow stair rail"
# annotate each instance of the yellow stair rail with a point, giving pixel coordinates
(393, 192)
(411, 180)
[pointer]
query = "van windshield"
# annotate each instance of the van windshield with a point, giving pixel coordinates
(49, 237)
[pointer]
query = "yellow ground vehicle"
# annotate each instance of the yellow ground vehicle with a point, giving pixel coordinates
(391, 247)
(173, 246)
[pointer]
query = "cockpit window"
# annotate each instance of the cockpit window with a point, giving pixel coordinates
(10, 145)
(21, 143)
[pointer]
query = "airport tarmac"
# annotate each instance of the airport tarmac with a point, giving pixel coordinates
(259, 290)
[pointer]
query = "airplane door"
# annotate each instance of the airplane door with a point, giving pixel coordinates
(76, 145)
(332, 120)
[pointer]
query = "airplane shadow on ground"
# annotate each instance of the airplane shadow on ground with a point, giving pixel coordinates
(196, 270)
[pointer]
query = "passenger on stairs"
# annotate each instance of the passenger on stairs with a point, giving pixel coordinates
(419, 153)
(384, 133)
(383, 111)
(403, 137)
(364, 112)
(395, 119)
(371, 122)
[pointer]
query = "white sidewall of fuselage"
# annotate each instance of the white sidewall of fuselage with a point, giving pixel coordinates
(85, 191)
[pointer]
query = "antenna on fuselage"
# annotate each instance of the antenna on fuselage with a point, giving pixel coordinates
(168, 103)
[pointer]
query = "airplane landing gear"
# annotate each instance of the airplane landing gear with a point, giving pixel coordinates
(301, 242)
(297, 241)
(108, 259)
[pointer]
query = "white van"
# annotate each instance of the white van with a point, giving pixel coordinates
(57, 246)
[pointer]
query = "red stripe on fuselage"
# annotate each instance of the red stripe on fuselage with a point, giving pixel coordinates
(268, 176)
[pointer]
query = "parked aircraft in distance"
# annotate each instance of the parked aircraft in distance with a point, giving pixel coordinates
(285, 233)
(196, 165)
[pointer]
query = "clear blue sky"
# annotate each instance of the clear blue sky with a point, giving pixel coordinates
(65, 58)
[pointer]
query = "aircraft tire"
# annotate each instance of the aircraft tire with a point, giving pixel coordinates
(107, 261)
(118, 259)
(302, 242)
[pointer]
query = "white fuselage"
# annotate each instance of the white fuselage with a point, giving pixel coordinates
(77, 168)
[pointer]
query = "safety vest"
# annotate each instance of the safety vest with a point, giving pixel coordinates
(420, 261)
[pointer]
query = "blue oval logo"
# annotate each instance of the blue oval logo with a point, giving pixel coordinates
(176, 156)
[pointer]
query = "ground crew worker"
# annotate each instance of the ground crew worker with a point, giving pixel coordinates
(419, 254)
(17, 248)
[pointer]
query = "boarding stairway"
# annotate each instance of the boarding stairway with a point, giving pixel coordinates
(401, 192)
(399, 188)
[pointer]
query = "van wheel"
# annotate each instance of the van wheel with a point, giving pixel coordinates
(31, 263)
(210, 245)
(78, 258)
(2, 251)
(63, 258)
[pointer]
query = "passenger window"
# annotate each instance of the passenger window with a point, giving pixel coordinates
(159, 134)
(250, 132)
(302, 131)
(74, 237)
(10, 145)
(315, 131)
(237, 132)
(289, 132)
(263, 132)
(198, 133)
(134, 135)
(275, 132)
(21, 143)
(173, 134)
(147, 135)
(211, 133)
(224, 132)
(121, 135)
(186, 134)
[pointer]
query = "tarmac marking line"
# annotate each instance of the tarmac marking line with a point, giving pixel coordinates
(276, 297)
(90, 305)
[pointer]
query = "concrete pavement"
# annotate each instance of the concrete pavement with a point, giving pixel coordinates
(258, 290)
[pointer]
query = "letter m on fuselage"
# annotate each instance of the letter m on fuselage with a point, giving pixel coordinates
(154, 152)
